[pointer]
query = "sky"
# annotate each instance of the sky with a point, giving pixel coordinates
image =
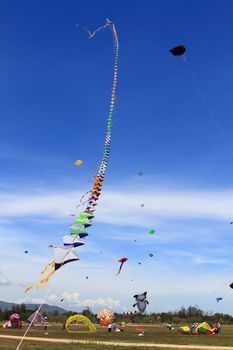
(55, 89)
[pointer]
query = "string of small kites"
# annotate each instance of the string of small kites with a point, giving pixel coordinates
(66, 254)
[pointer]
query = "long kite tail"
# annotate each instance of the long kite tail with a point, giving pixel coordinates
(119, 269)
(99, 178)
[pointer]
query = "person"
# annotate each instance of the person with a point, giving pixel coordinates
(119, 330)
(109, 327)
(45, 323)
(218, 328)
(195, 325)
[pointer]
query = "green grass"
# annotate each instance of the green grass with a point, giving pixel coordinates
(153, 334)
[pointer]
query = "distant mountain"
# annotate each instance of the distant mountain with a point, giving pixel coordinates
(48, 308)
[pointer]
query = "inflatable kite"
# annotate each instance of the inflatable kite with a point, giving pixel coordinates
(141, 302)
(178, 50)
(82, 319)
(67, 254)
(105, 317)
(204, 328)
(14, 322)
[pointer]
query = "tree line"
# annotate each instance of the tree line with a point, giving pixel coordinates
(185, 315)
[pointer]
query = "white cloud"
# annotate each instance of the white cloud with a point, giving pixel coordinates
(38, 301)
(4, 282)
(203, 260)
(108, 302)
(21, 301)
(178, 244)
(73, 299)
(125, 205)
(53, 298)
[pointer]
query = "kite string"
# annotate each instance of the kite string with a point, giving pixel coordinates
(210, 110)
(36, 313)
(42, 303)
(220, 288)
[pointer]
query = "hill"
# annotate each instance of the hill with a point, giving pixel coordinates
(48, 308)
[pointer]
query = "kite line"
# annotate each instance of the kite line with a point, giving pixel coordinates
(210, 110)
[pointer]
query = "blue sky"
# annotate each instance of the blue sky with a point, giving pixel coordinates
(55, 87)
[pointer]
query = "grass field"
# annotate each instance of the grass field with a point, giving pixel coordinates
(153, 334)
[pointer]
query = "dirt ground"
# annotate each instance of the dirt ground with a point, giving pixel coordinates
(135, 345)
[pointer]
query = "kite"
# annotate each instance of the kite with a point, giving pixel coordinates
(231, 222)
(142, 205)
(14, 322)
(139, 330)
(204, 328)
(105, 317)
(151, 255)
(37, 319)
(122, 261)
(62, 300)
(178, 50)
(139, 263)
(231, 285)
(25, 252)
(141, 302)
(78, 162)
(140, 173)
(67, 253)
(81, 318)
(152, 232)
(219, 299)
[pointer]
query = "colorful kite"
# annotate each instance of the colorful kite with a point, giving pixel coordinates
(67, 253)
(105, 317)
(37, 319)
(122, 261)
(78, 162)
(81, 318)
(152, 232)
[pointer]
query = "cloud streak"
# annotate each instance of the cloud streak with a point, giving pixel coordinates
(188, 204)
